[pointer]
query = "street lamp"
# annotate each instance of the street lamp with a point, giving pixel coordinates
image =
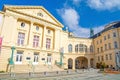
(11, 62)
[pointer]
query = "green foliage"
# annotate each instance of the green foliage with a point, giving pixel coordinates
(101, 65)
(2, 71)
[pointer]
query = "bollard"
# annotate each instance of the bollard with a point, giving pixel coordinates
(76, 70)
(57, 72)
(45, 73)
(12, 74)
(68, 71)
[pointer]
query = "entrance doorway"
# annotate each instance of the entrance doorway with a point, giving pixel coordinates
(81, 63)
(70, 63)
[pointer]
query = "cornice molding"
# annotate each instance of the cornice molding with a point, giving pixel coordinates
(12, 8)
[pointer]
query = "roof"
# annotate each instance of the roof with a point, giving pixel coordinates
(107, 27)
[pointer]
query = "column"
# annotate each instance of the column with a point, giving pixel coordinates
(56, 40)
(89, 63)
(44, 38)
(73, 64)
(29, 37)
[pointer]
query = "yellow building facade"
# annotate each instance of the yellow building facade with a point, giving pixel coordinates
(41, 44)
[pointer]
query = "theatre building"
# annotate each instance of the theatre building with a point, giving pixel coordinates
(32, 39)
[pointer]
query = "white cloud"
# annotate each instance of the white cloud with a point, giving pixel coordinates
(71, 19)
(76, 2)
(104, 4)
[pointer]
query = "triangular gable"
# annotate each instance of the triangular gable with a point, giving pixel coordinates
(37, 11)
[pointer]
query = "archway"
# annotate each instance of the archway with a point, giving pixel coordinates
(81, 62)
(91, 62)
(70, 63)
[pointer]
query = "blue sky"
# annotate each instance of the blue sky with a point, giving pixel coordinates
(77, 15)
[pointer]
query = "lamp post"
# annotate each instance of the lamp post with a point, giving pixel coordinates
(11, 62)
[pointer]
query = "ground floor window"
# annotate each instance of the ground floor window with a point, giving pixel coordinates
(36, 58)
(49, 59)
(19, 57)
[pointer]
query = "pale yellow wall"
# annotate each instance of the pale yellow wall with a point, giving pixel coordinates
(112, 51)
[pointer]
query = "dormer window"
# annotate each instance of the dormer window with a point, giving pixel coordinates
(22, 24)
(37, 28)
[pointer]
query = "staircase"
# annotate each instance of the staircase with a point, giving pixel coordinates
(35, 68)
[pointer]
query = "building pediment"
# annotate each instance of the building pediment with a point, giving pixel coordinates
(36, 11)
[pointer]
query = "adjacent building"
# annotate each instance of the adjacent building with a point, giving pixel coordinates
(33, 39)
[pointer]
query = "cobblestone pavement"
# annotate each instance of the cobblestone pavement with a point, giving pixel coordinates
(64, 75)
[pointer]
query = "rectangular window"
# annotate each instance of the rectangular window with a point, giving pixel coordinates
(110, 56)
(115, 44)
(98, 50)
(97, 42)
(108, 36)
(104, 37)
(36, 41)
(105, 46)
(106, 57)
(49, 59)
(19, 57)
(101, 49)
(36, 57)
(114, 34)
(21, 37)
(48, 43)
(101, 41)
(102, 58)
(109, 44)
(98, 58)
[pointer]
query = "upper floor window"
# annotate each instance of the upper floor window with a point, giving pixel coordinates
(104, 37)
(85, 48)
(35, 41)
(97, 42)
(22, 24)
(98, 50)
(114, 34)
(102, 58)
(91, 48)
(98, 58)
(109, 45)
(106, 57)
(100, 40)
(76, 48)
(105, 46)
(108, 36)
(70, 47)
(37, 28)
(115, 44)
(21, 37)
(101, 49)
(110, 56)
(48, 43)
(81, 48)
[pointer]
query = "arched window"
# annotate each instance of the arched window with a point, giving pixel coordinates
(76, 48)
(81, 48)
(91, 48)
(85, 48)
(70, 48)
